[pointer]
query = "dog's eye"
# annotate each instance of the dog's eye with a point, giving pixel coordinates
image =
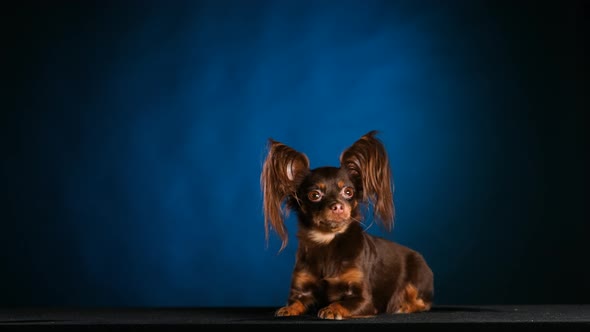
(348, 192)
(314, 195)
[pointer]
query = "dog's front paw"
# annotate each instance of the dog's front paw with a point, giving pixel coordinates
(334, 311)
(290, 310)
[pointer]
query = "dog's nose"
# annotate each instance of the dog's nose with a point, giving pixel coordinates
(337, 208)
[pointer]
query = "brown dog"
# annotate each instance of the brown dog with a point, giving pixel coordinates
(340, 270)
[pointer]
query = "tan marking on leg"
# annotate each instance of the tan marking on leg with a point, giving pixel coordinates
(295, 309)
(411, 302)
(350, 276)
(334, 311)
(301, 279)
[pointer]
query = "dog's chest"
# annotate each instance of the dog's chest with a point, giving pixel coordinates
(329, 262)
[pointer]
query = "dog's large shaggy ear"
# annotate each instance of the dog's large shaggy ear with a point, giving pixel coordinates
(367, 162)
(282, 172)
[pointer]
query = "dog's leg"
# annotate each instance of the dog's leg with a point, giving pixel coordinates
(302, 295)
(348, 296)
(357, 308)
(294, 308)
(409, 301)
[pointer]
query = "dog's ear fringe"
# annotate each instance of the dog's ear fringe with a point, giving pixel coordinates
(282, 171)
(367, 159)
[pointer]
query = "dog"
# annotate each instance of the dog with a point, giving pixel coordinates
(340, 270)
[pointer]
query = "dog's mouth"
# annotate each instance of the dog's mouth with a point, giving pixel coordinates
(325, 229)
(327, 220)
(333, 225)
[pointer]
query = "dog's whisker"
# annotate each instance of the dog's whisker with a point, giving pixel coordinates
(360, 221)
(367, 227)
(297, 199)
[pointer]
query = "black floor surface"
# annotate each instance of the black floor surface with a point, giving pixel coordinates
(464, 318)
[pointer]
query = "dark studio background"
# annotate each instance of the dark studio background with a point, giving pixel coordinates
(133, 134)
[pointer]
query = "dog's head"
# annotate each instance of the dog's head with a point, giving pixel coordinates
(326, 199)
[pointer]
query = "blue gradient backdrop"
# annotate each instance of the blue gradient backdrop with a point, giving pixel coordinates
(134, 133)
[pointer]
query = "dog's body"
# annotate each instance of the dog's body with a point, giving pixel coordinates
(341, 270)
